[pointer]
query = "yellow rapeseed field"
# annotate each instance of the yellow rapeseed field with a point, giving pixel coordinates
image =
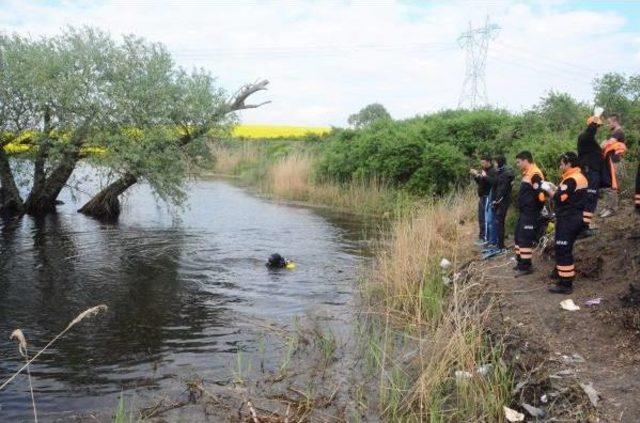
(277, 131)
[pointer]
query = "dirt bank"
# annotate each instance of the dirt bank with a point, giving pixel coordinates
(555, 351)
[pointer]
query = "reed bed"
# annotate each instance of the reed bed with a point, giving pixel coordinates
(292, 178)
(232, 161)
(427, 340)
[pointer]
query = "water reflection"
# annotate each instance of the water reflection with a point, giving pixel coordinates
(176, 291)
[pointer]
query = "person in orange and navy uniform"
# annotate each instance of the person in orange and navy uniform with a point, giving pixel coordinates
(531, 200)
(569, 200)
(613, 149)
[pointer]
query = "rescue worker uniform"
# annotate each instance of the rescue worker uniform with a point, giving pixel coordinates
(569, 201)
(531, 199)
(591, 161)
(613, 149)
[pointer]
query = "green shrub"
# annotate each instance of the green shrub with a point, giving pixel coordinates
(443, 167)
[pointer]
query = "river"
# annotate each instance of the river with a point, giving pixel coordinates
(184, 290)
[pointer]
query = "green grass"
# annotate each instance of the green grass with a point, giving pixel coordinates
(121, 414)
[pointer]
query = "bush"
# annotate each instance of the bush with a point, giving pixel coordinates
(427, 155)
(443, 167)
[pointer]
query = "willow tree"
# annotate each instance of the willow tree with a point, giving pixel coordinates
(127, 99)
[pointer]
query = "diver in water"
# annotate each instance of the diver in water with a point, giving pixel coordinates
(276, 261)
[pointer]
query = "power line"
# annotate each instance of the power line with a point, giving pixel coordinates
(476, 43)
(309, 50)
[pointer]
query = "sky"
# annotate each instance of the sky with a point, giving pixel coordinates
(327, 59)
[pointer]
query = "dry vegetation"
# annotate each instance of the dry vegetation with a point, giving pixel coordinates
(292, 178)
(427, 338)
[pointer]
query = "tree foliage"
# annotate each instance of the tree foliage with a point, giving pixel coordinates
(125, 97)
(368, 115)
(431, 154)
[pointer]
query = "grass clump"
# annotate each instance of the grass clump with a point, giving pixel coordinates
(427, 340)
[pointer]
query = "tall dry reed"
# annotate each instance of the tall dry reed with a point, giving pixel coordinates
(93, 311)
(431, 326)
(408, 278)
(292, 178)
(229, 161)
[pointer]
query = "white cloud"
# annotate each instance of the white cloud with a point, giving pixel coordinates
(327, 59)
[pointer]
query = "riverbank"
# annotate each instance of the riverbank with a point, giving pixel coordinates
(451, 344)
(421, 324)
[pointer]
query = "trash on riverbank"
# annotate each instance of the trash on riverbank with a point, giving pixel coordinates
(591, 393)
(512, 415)
(445, 264)
(593, 302)
(569, 305)
(534, 411)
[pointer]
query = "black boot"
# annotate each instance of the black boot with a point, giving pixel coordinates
(562, 287)
(523, 271)
(518, 261)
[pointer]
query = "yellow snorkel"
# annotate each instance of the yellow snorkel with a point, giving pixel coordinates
(290, 265)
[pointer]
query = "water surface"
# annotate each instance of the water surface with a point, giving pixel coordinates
(182, 288)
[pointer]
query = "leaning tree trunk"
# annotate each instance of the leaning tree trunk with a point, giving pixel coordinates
(106, 205)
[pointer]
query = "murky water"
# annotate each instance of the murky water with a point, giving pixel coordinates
(184, 292)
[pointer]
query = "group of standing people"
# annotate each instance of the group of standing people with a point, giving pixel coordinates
(592, 171)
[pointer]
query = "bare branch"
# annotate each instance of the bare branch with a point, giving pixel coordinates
(237, 102)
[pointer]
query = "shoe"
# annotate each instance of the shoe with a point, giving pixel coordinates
(492, 252)
(561, 289)
(490, 248)
(523, 272)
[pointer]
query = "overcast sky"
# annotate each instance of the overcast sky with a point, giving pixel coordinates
(327, 59)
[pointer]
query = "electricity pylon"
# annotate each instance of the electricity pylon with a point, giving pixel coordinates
(476, 43)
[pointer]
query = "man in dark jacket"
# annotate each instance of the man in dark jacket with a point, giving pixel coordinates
(500, 201)
(591, 162)
(485, 179)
